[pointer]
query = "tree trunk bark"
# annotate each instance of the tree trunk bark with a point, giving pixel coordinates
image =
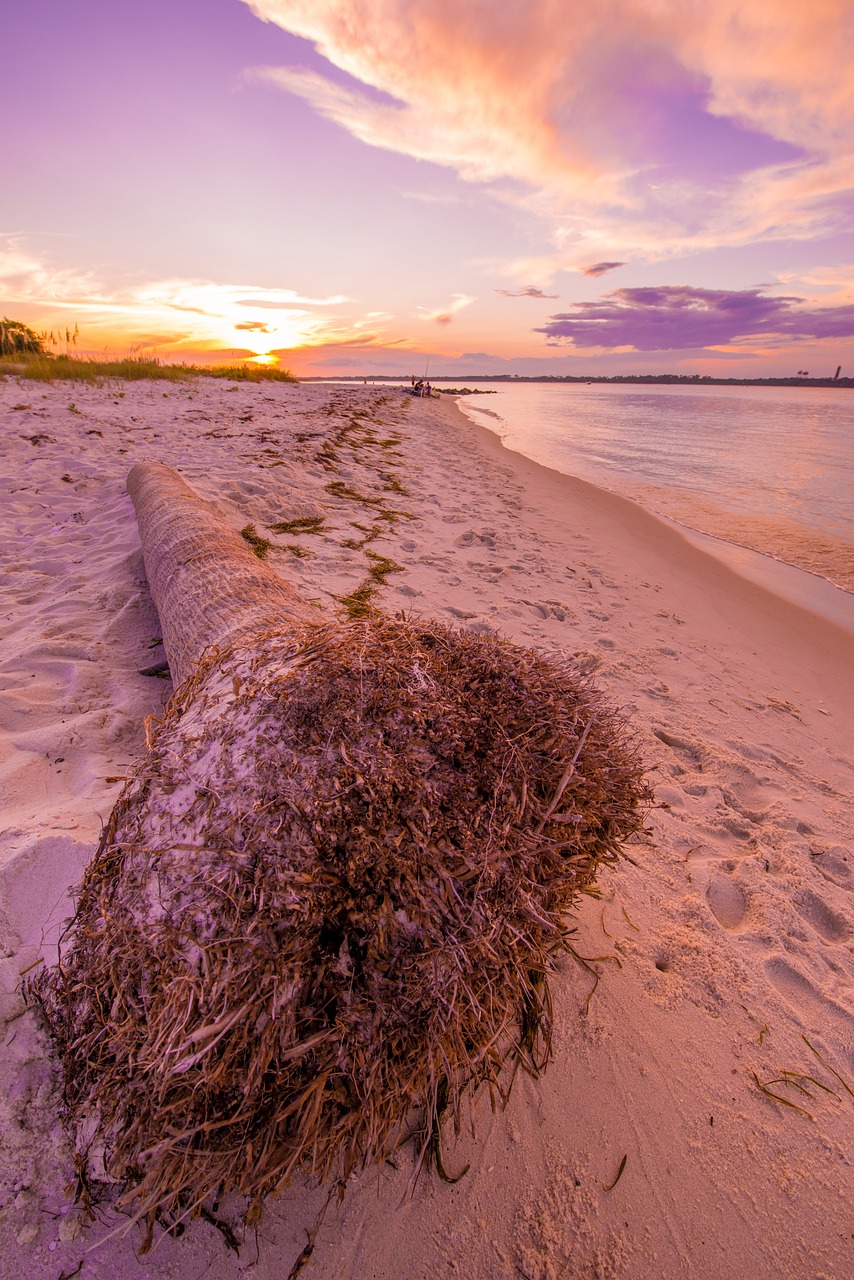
(208, 587)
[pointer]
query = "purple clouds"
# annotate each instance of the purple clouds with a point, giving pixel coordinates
(677, 317)
(599, 268)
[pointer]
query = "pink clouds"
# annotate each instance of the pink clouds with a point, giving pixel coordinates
(724, 121)
(470, 88)
(444, 315)
(674, 318)
(25, 277)
(530, 291)
(782, 66)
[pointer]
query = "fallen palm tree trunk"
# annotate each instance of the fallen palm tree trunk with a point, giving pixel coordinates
(329, 899)
(209, 588)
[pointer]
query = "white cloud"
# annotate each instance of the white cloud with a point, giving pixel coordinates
(24, 276)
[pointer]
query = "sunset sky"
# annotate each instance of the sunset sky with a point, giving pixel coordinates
(401, 186)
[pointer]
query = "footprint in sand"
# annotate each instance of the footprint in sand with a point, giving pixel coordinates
(658, 689)
(793, 985)
(811, 1005)
(546, 609)
(837, 866)
(690, 750)
(829, 924)
(488, 538)
(727, 901)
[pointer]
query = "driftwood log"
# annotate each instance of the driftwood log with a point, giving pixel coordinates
(326, 905)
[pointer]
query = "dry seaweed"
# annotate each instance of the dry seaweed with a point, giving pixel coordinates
(258, 545)
(326, 906)
(302, 524)
(620, 1171)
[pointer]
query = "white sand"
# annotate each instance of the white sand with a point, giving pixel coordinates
(726, 942)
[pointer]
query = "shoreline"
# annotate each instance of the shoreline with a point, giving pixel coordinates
(754, 576)
(730, 547)
(722, 944)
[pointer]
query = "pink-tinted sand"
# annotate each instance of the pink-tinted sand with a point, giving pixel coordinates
(724, 946)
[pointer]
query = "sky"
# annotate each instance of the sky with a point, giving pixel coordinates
(425, 187)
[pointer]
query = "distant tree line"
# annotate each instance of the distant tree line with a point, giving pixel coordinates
(667, 379)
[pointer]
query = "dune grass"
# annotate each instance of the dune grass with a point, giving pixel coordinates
(17, 339)
(47, 368)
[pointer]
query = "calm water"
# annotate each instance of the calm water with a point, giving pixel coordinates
(767, 468)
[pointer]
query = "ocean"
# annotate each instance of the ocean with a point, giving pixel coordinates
(770, 469)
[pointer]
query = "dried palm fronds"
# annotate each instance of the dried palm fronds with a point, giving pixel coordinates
(327, 904)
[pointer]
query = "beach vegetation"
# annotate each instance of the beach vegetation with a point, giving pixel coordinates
(845, 1085)
(371, 531)
(258, 545)
(768, 1092)
(613, 1184)
(339, 489)
(41, 366)
(391, 483)
(302, 524)
(382, 567)
(17, 339)
(359, 603)
(800, 1081)
(327, 457)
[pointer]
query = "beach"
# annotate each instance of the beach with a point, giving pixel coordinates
(697, 1117)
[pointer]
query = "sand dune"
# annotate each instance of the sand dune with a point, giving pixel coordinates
(724, 946)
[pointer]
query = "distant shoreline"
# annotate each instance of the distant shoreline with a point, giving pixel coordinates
(663, 379)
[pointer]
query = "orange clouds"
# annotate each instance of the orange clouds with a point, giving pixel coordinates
(472, 88)
(173, 315)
